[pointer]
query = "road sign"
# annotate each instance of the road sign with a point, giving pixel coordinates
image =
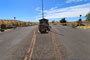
(14, 18)
(80, 15)
(80, 20)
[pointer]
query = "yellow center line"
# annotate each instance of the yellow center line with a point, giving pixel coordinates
(54, 44)
(32, 48)
(25, 57)
(55, 47)
(31, 45)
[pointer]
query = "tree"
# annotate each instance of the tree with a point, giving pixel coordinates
(63, 20)
(88, 16)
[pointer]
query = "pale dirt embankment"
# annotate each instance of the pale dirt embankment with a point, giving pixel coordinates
(84, 27)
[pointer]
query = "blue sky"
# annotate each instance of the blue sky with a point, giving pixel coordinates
(30, 10)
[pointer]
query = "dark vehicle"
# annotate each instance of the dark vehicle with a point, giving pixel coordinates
(44, 25)
(80, 24)
(3, 27)
(10, 26)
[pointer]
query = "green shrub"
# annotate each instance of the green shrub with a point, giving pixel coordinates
(74, 26)
(88, 17)
(53, 21)
(63, 20)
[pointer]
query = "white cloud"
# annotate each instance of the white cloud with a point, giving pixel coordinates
(73, 11)
(69, 1)
(38, 9)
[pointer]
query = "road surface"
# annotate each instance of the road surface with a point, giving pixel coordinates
(61, 43)
(76, 42)
(14, 43)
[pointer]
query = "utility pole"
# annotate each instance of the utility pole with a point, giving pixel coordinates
(42, 10)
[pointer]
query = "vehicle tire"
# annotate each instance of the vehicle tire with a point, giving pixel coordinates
(2, 30)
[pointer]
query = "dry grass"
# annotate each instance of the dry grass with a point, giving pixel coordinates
(11, 22)
(84, 27)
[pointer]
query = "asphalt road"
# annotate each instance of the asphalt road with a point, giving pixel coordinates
(76, 42)
(14, 43)
(61, 43)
